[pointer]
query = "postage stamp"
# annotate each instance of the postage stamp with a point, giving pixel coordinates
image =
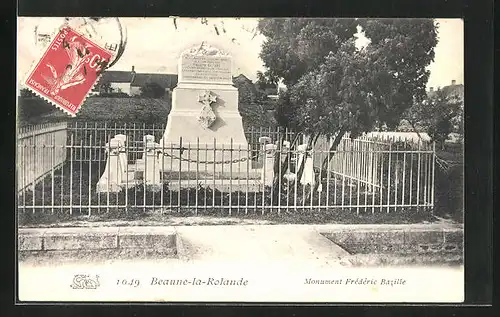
(68, 70)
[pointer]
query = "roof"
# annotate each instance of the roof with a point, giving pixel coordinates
(454, 90)
(241, 77)
(164, 80)
(114, 76)
(245, 87)
(451, 91)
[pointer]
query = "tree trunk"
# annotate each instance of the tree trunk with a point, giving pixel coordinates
(414, 128)
(310, 143)
(324, 165)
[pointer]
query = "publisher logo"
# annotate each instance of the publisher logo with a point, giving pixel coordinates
(85, 281)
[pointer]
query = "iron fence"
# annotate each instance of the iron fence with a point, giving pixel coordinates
(104, 171)
(34, 160)
(93, 136)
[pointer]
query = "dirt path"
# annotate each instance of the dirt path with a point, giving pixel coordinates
(257, 244)
(152, 221)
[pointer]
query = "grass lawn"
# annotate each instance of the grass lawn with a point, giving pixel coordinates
(219, 217)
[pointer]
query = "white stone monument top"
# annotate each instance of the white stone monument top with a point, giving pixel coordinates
(205, 50)
(205, 64)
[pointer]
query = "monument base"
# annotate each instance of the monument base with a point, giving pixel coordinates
(226, 181)
(203, 166)
(189, 146)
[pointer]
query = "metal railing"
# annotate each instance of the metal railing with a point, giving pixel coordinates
(34, 160)
(105, 173)
(99, 133)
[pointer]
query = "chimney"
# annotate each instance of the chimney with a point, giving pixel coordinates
(133, 74)
(453, 82)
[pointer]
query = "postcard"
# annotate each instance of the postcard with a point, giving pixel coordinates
(251, 160)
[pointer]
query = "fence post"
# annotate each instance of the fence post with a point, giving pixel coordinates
(268, 151)
(151, 169)
(122, 151)
(433, 179)
(111, 178)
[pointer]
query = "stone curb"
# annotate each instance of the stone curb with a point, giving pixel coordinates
(410, 236)
(166, 238)
(73, 239)
(372, 246)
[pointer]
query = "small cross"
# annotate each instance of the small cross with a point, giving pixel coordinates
(207, 98)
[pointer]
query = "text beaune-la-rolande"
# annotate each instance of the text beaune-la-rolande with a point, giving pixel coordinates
(199, 281)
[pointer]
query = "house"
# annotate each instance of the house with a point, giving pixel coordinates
(115, 81)
(455, 94)
(166, 81)
(130, 82)
(452, 91)
(247, 92)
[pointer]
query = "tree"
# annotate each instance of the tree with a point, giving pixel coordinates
(32, 108)
(152, 90)
(106, 88)
(26, 93)
(336, 88)
(261, 82)
(265, 81)
(436, 115)
(285, 112)
(295, 46)
(264, 84)
(406, 47)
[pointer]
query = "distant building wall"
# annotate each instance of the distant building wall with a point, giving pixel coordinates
(135, 91)
(123, 87)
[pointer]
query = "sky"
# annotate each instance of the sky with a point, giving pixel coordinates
(154, 44)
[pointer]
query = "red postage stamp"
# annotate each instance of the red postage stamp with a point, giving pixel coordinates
(68, 70)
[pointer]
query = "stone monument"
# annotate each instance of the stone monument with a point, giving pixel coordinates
(204, 120)
(204, 137)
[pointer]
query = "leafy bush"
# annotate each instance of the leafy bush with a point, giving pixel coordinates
(31, 110)
(147, 110)
(114, 94)
(449, 183)
(152, 90)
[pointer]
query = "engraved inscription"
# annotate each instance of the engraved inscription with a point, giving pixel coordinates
(206, 69)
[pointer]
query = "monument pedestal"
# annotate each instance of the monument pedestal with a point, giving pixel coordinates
(183, 118)
(220, 148)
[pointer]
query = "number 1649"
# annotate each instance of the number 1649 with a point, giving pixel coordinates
(126, 282)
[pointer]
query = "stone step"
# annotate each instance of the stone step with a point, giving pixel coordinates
(136, 171)
(224, 185)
